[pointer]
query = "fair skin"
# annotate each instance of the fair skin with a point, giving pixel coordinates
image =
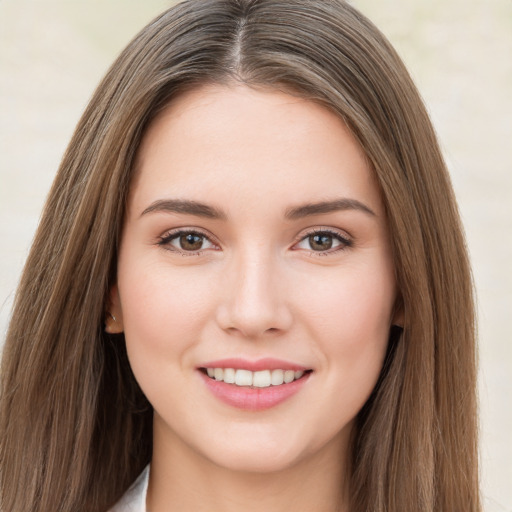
(253, 274)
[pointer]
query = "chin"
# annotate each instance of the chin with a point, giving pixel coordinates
(256, 461)
(265, 454)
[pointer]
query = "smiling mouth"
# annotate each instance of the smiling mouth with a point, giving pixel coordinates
(258, 379)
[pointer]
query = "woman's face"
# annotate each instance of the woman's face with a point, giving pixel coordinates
(255, 249)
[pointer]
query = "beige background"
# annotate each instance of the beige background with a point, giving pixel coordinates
(53, 53)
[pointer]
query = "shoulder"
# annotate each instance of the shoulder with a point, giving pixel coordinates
(134, 499)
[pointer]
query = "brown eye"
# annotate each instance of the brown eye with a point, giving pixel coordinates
(320, 242)
(324, 242)
(191, 242)
(187, 242)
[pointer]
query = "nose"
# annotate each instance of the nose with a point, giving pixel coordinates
(254, 298)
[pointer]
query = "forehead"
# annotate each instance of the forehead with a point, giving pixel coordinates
(221, 142)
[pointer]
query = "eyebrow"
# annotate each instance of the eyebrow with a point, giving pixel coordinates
(185, 206)
(199, 209)
(310, 209)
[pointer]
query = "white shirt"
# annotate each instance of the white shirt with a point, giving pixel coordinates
(134, 499)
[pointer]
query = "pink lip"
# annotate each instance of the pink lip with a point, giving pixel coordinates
(267, 363)
(253, 399)
(249, 398)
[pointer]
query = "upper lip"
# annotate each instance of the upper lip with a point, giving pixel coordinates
(266, 363)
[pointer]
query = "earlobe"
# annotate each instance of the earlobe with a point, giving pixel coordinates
(397, 318)
(113, 313)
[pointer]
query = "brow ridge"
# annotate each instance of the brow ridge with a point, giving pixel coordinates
(322, 207)
(185, 206)
(199, 209)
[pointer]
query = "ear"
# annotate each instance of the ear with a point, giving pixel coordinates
(397, 318)
(114, 313)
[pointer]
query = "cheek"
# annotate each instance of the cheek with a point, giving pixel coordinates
(350, 316)
(164, 311)
(163, 308)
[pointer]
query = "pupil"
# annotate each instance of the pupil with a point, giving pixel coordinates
(320, 242)
(191, 242)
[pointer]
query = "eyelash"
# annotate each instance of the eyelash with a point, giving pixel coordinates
(166, 240)
(345, 242)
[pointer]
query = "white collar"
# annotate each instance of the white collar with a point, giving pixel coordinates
(134, 499)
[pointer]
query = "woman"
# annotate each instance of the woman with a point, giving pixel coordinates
(251, 273)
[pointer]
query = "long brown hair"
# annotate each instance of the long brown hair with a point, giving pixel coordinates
(75, 428)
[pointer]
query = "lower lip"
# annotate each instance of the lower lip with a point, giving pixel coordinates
(253, 399)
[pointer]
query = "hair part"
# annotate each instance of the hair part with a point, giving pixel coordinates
(75, 428)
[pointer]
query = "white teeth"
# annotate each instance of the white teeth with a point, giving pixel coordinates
(259, 379)
(289, 376)
(277, 377)
(243, 378)
(229, 375)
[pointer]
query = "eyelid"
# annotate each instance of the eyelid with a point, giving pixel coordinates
(345, 239)
(165, 239)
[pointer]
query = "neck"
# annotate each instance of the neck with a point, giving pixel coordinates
(183, 479)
